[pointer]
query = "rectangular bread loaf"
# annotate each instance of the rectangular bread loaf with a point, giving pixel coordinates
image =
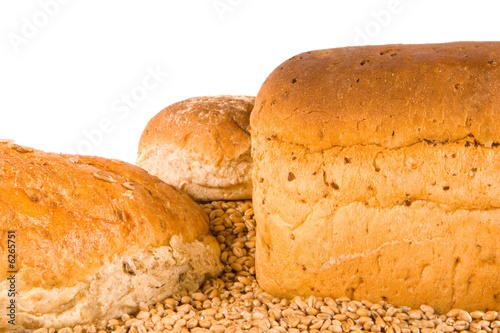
(377, 175)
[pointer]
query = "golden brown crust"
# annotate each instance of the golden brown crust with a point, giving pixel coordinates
(421, 215)
(73, 213)
(210, 126)
(201, 143)
(449, 254)
(388, 95)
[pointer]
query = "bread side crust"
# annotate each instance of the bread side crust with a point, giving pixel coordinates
(226, 180)
(145, 275)
(412, 255)
(367, 222)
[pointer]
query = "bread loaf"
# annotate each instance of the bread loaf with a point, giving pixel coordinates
(377, 175)
(93, 238)
(202, 146)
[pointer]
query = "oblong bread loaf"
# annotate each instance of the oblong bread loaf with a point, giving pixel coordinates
(93, 237)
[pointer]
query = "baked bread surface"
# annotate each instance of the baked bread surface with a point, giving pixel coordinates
(376, 175)
(94, 237)
(202, 146)
(388, 95)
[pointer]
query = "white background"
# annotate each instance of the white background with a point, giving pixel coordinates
(68, 66)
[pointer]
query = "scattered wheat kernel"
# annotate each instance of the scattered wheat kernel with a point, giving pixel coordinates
(465, 316)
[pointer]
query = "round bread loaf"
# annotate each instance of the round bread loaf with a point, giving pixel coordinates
(87, 238)
(202, 146)
(377, 175)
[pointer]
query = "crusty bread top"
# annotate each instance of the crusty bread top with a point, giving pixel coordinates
(388, 95)
(214, 127)
(73, 213)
